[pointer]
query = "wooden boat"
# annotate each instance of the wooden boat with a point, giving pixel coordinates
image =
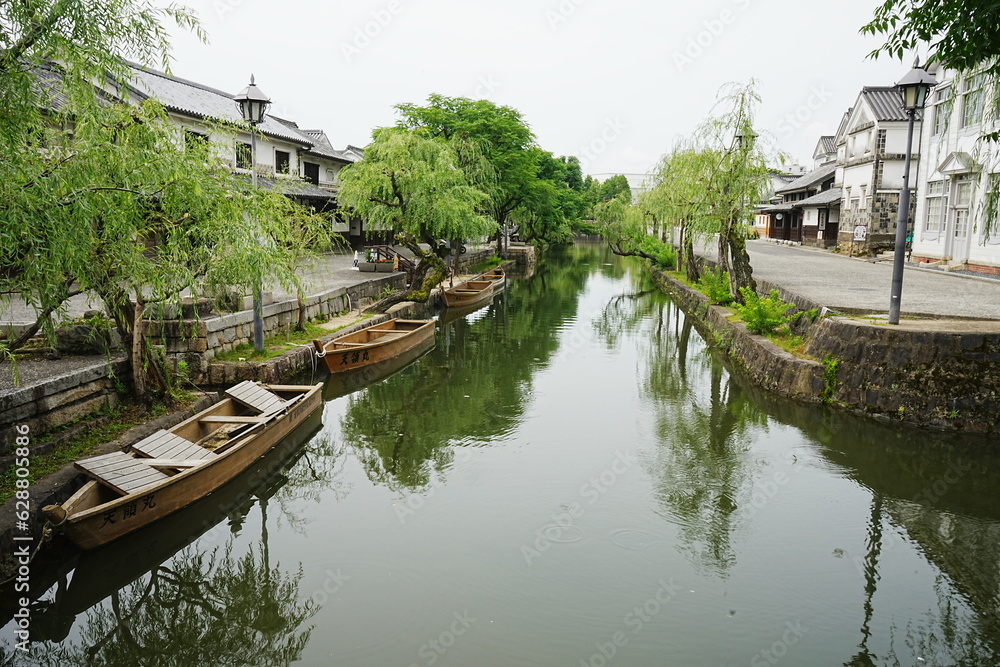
(497, 277)
(171, 469)
(373, 345)
(469, 293)
(101, 572)
(341, 384)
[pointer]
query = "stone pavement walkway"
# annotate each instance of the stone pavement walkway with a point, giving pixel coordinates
(853, 284)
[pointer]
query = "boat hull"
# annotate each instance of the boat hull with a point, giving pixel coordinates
(116, 518)
(469, 294)
(361, 349)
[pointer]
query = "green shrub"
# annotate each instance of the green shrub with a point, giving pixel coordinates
(763, 315)
(831, 366)
(715, 285)
(665, 254)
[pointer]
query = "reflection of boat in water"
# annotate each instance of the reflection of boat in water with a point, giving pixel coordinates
(103, 571)
(468, 294)
(449, 315)
(341, 384)
(172, 469)
(374, 345)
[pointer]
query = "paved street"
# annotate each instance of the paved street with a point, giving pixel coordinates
(849, 284)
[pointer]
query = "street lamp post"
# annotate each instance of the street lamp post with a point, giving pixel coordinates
(252, 104)
(913, 89)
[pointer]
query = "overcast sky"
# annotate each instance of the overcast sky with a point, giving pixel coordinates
(615, 83)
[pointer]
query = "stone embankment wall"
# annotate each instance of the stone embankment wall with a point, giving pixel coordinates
(62, 399)
(761, 360)
(196, 342)
(944, 377)
(303, 358)
(947, 379)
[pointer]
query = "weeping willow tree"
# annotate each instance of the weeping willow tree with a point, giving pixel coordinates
(416, 185)
(679, 200)
(739, 180)
(104, 197)
(706, 185)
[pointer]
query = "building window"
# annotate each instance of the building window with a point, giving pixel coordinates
(963, 195)
(942, 109)
(937, 202)
(282, 162)
(311, 172)
(972, 101)
(243, 155)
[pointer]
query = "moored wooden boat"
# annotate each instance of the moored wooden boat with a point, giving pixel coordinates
(498, 277)
(172, 469)
(373, 345)
(469, 293)
(341, 384)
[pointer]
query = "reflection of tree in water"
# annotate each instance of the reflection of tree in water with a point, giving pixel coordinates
(165, 603)
(203, 609)
(473, 385)
(317, 471)
(937, 490)
(701, 469)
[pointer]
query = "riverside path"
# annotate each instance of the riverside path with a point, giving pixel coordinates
(854, 284)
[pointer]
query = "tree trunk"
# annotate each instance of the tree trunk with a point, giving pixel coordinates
(723, 258)
(693, 272)
(301, 324)
(742, 272)
(430, 272)
(148, 378)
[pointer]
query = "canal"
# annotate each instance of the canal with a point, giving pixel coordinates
(570, 477)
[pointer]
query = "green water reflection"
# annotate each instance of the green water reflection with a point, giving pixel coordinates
(784, 533)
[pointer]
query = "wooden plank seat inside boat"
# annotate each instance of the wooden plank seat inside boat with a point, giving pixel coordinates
(123, 473)
(166, 445)
(252, 395)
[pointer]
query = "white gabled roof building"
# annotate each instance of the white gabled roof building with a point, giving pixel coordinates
(955, 223)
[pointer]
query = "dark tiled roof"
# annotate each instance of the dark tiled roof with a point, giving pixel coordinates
(292, 187)
(48, 86)
(814, 177)
(828, 144)
(823, 198)
(194, 99)
(885, 103)
(779, 208)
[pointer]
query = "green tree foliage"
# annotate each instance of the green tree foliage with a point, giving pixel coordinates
(529, 187)
(498, 133)
(614, 187)
(962, 34)
(553, 207)
(417, 184)
(103, 197)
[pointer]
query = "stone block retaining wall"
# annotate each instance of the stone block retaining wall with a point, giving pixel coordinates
(944, 379)
(196, 342)
(62, 399)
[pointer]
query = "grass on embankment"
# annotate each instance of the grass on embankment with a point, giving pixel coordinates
(123, 417)
(486, 265)
(278, 344)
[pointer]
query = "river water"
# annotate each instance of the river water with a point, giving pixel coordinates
(571, 477)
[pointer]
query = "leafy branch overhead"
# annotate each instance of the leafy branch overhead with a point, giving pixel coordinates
(103, 196)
